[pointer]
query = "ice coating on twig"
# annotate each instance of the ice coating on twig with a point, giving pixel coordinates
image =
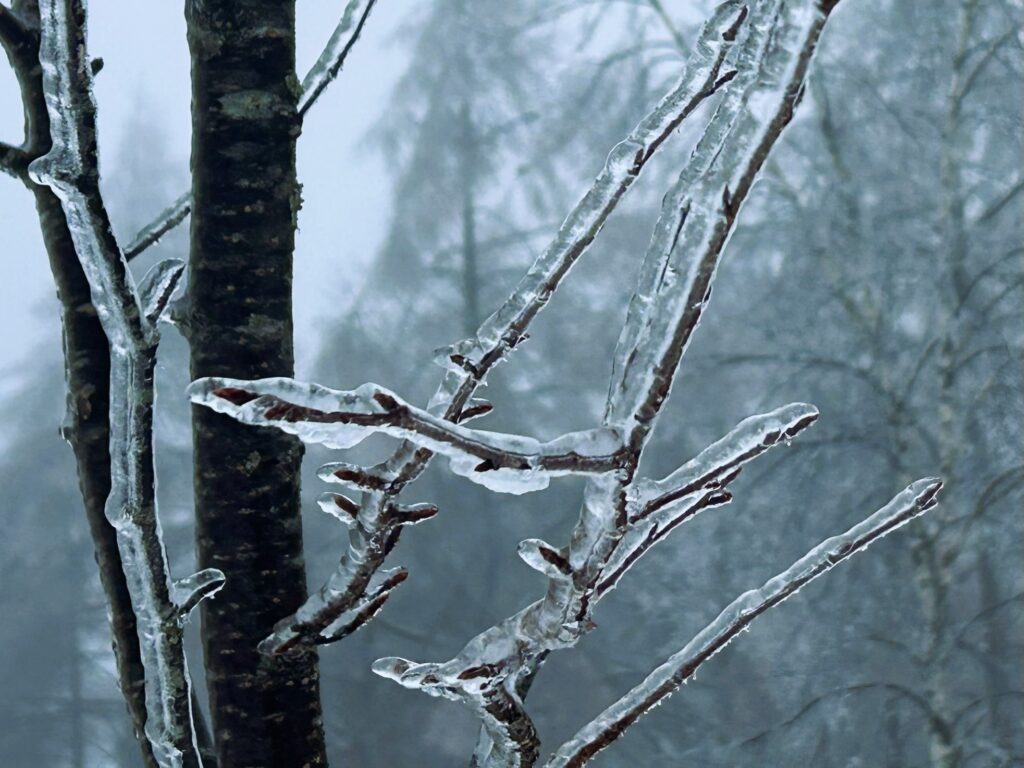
(188, 592)
(377, 593)
(469, 359)
(700, 210)
(745, 441)
(772, 53)
(339, 506)
(342, 419)
(333, 56)
(71, 170)
(677, 669)
(354, 476)
(157, 286)
(320, 75)
(545, 558)
(167, 220)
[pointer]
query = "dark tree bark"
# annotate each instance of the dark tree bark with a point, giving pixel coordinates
(265, 711)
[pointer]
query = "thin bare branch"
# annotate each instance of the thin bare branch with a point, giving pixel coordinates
(326, 68)
(332, 59)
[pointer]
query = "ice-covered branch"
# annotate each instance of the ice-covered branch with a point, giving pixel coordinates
(468, 363)
(157, 286)
(13, 160)
(320, 75)
(638, 538)
(511, 737)
(332, 58)
(622, 518)
(656, 508)
(188, 592)
(168, 219)
(666, 679)
(315, 414)
(700, 210)
(71, 170)
(747, 440)
(469, 360)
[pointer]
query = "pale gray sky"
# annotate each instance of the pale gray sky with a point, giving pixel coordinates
(345, 186)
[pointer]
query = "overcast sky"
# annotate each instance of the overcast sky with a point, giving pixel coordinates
(145, 54)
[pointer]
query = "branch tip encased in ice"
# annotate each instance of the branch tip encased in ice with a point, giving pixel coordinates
(342, 419)
(916, 499)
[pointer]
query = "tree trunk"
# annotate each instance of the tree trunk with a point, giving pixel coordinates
(468, 171)
(265, 712)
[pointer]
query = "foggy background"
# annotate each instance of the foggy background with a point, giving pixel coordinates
(877, 272)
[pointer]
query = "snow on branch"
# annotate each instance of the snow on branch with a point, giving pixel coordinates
(129, 319)
(315, 414)
(667, 678)
(320, 75)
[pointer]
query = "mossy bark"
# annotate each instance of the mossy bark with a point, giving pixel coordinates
(265, 712)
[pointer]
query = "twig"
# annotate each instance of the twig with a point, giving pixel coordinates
(667, 678)
(315, 414)
(332, 58)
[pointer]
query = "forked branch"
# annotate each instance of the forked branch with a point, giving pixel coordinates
(320, 75)
(468, 363)
(680, 667)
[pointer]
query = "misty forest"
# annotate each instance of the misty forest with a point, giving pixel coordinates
(357, 350)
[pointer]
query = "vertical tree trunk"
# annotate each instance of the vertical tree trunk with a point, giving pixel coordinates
(264, 712)
(1002, 665)
(468, 170)
(76, 715)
